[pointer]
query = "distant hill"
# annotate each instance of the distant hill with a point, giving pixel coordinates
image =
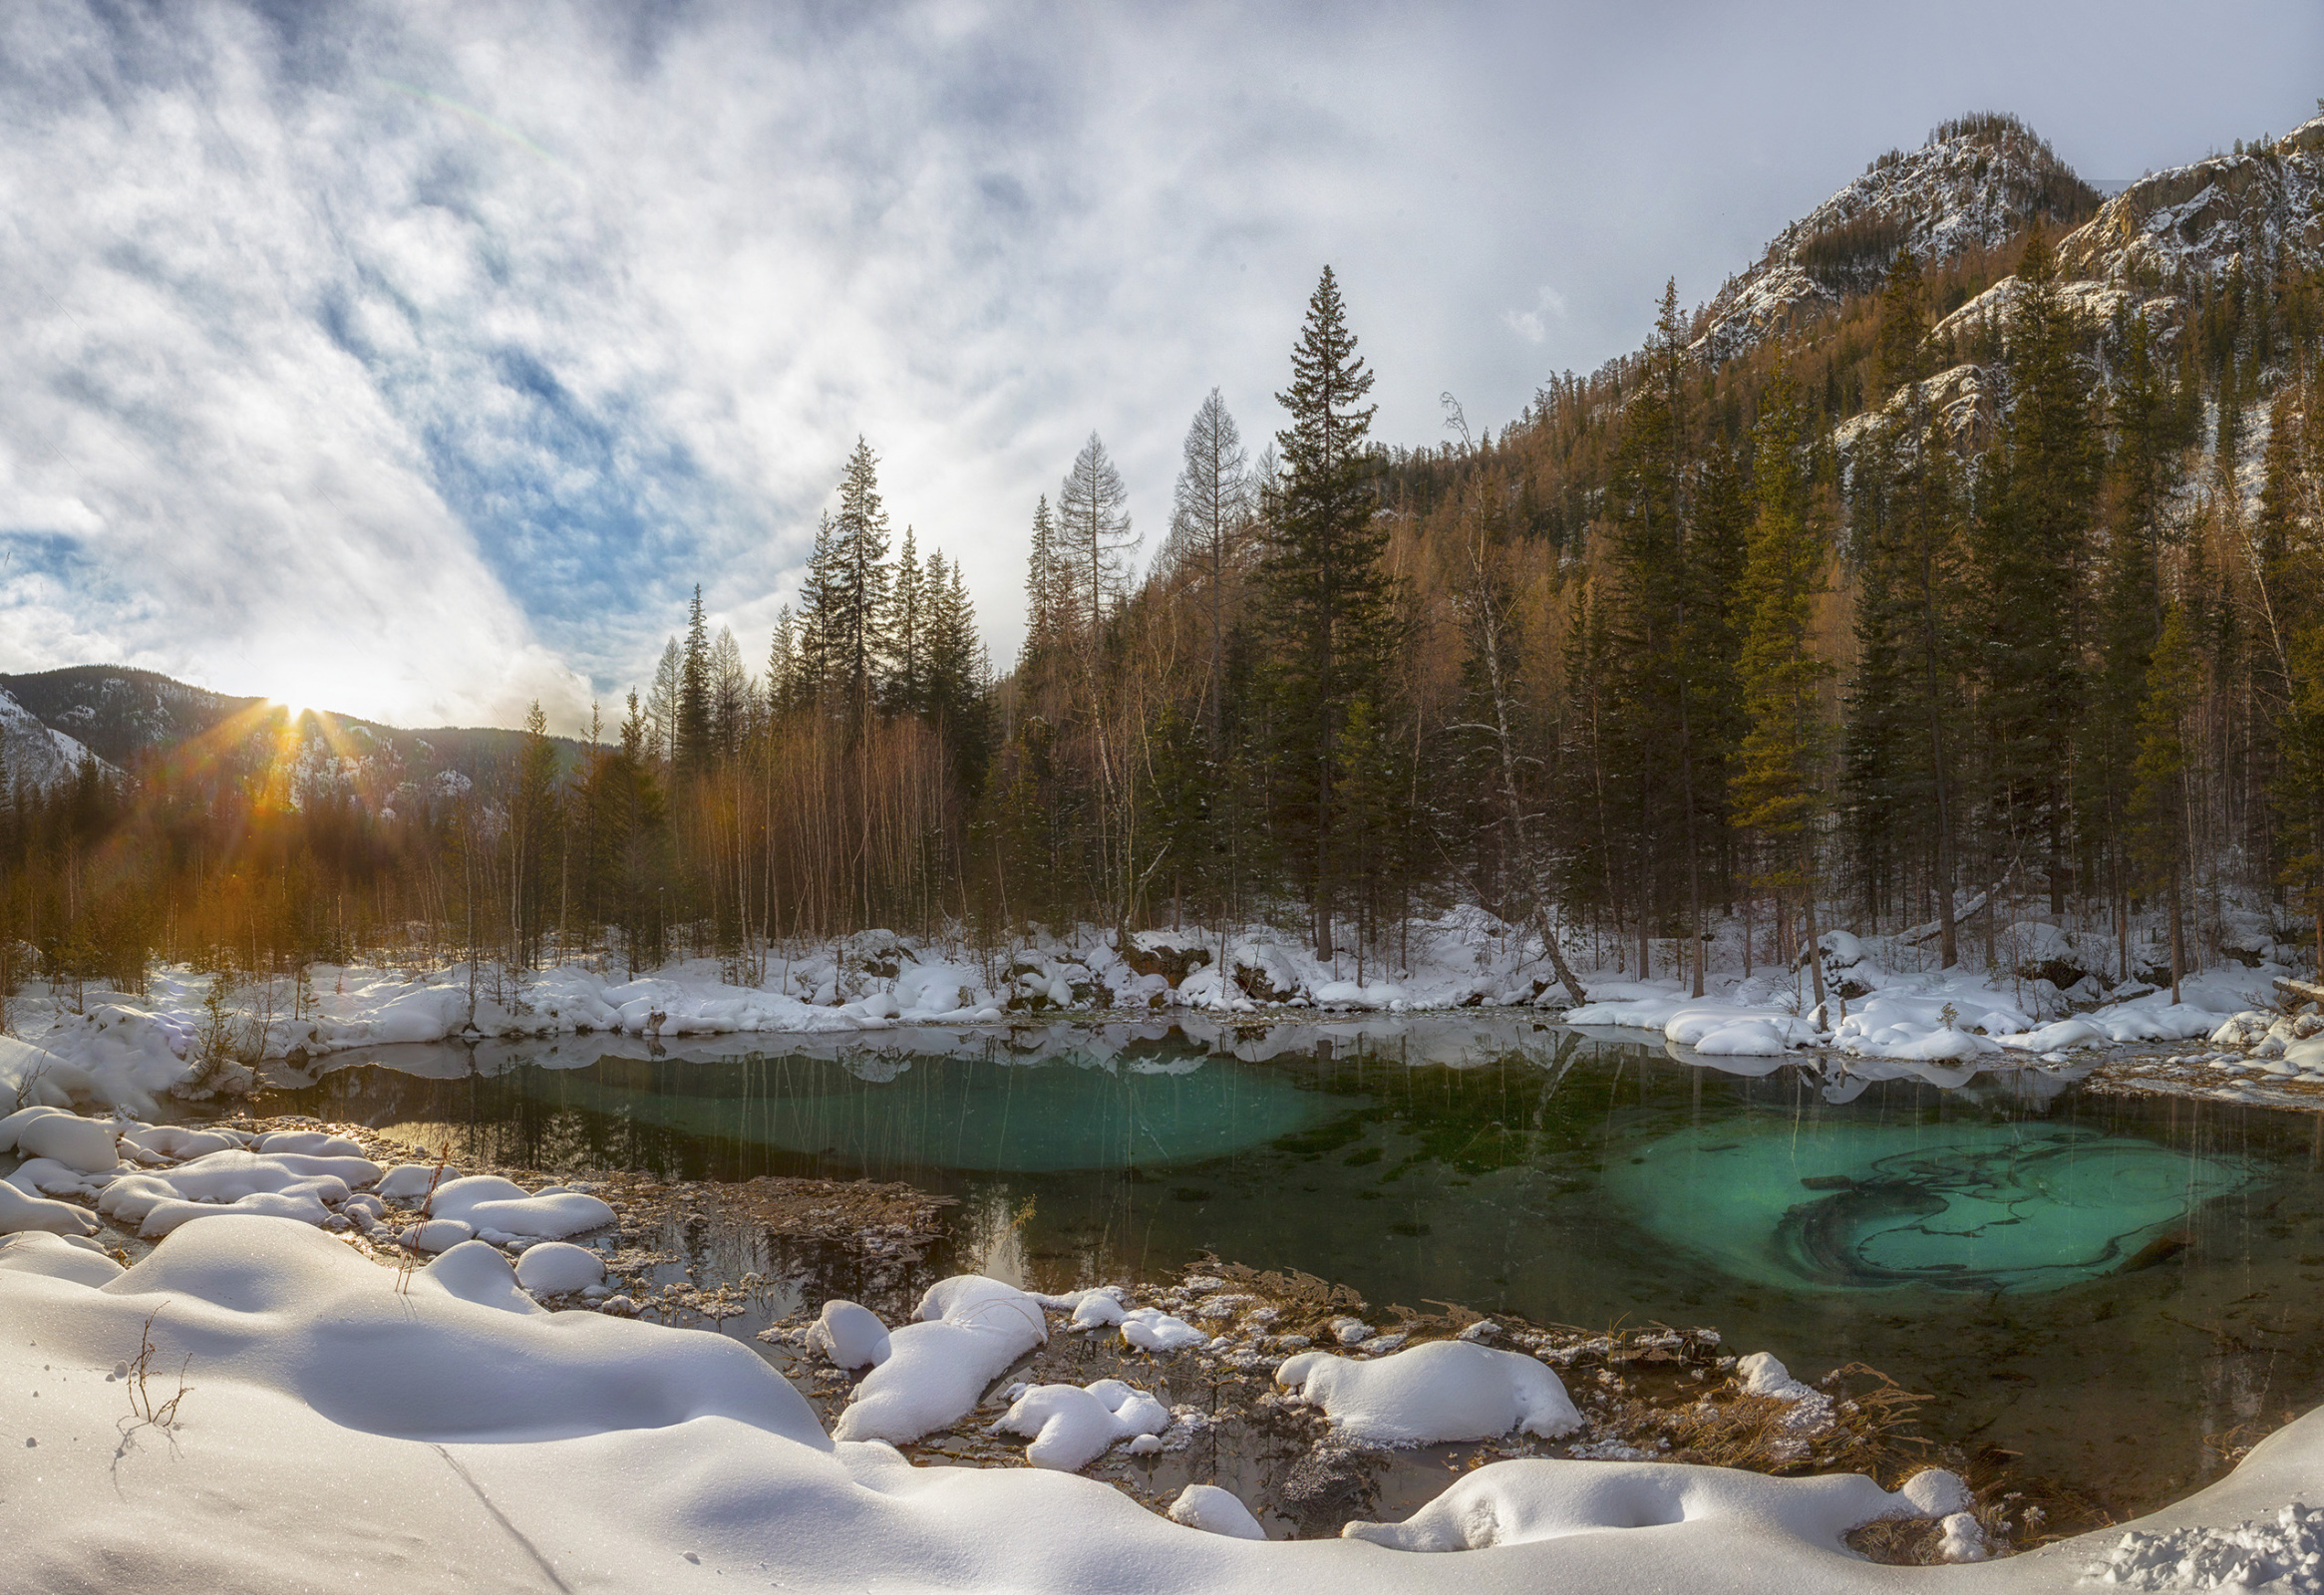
(125, 716)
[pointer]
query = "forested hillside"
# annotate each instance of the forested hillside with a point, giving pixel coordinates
(1958, 560)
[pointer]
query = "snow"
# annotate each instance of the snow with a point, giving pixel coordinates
(83, 1144)
(2285, 1554)
(1071, 1425)
(490, 1205)
(554, 1268)
(1150, 1329)
(21, 1212)
(1439, 1391)
(1215, 1511)
(474, 1441)
(281, 1185)
(406, 1180)
(967, 1331)
(849, 1335)
(1535, 1500)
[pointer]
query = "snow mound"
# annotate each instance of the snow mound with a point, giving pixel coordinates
(849, 1335)
(969, 1329)
(86, 1144)
(1071, 1425)
(1215, 1511)
(490, 1205)
(406, 1180)
(1521, 1503)
(1150, 1329)
(1444, 1390)
(554, 1268)
(21, 1213)
(279, 1185)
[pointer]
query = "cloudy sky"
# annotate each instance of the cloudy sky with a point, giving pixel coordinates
(415, 359)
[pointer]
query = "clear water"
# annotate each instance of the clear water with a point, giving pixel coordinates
(2105, 1289)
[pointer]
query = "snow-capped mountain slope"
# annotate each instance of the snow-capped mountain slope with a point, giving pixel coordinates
(2198, 218)
(1973, 186)
(117, 711)
(34, 753)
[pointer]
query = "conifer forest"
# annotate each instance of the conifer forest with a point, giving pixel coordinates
(1893, 616)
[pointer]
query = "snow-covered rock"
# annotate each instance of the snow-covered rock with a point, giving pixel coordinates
(1446, 1390)
(1215, 1511)
(1071, 1425)
(849, 1335)
(967, 1330)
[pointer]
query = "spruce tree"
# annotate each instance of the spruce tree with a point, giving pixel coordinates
(1779, 788)
(694, 692)
(909, 632)
(852, 599)
(2033, 555)
(2158, 798)
(1327, 599)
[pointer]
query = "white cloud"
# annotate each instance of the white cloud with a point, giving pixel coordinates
(1530, 324)
(420, 355)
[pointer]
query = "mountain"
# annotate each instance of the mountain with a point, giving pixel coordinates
(117, 712)
(2264, 204)
(1973, 187)
(34, 753)
(125, 716)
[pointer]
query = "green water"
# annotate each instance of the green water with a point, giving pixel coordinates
(2098, 1287)
(1865, 1205)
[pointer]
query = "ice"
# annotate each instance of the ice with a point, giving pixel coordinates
(1071, 1425)
(849, 1335)
(1215, 1511)
(555, 1268)
(489, 1203)
(967, 1331)
(1446, 1389)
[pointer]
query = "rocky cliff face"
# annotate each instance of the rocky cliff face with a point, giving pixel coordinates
(2261, 204)
(1972, 187)
(34, 755)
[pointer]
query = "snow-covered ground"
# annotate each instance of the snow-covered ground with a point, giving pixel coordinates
(1886, 1005)
(340, 1428)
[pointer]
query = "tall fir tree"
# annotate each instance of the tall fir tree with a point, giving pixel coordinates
(693, 741)
(1326, 596)
(1779, 788)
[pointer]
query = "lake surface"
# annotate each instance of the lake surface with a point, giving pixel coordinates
(2113, 1291)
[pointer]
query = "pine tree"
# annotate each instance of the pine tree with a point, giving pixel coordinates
(1327, 599)
(1779, 786)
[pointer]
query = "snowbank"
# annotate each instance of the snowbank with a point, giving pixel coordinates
(969, 1329)
(1446, 1390)
(481, 1443)
(1071, 1425)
